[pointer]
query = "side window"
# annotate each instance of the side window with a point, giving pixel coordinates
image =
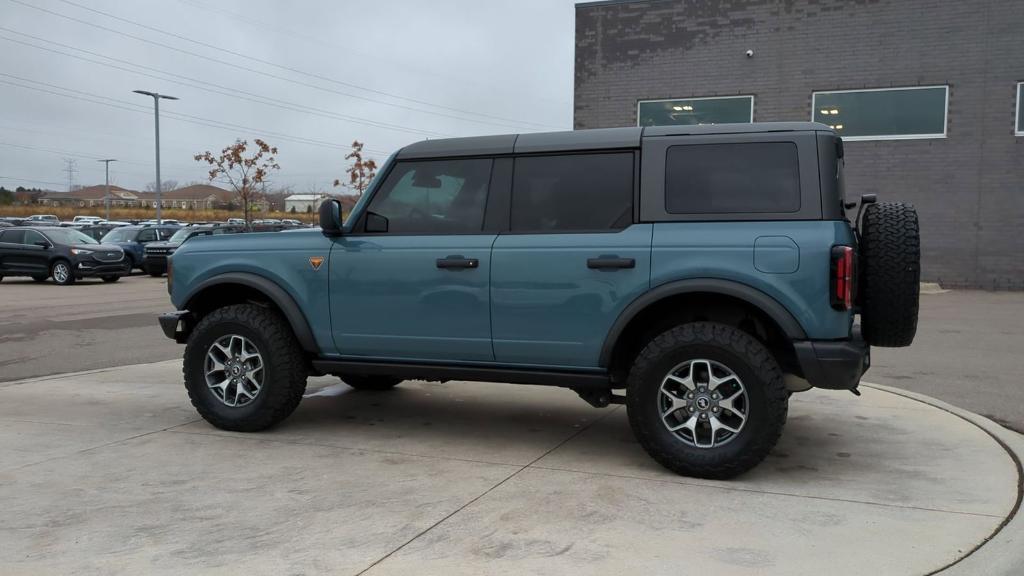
(572, 192)
(31, 237)
(147, 235)
(13, 236)
(434, 197)
(736, 177)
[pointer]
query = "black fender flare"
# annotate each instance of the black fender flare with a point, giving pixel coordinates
(770, 306)
(279, 296)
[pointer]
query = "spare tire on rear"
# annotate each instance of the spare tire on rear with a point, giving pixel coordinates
(890, 264)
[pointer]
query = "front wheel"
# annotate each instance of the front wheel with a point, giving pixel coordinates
(244, 369)
(110, 279)
(61, 273)
(706, 400)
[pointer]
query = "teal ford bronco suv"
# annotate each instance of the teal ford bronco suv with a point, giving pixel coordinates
(706, 271)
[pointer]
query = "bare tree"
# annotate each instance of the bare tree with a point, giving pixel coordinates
(246, 175)
(164, 185)
(361, 172)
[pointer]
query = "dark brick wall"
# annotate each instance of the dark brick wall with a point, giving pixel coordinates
(968, 187)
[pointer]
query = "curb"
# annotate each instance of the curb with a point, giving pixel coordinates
(1002, 553)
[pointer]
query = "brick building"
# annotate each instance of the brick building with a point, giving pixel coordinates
(926, 93)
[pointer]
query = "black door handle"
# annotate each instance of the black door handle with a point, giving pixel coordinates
(457, 262)
(610, 262)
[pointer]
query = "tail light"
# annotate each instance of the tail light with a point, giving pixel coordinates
(843, 271)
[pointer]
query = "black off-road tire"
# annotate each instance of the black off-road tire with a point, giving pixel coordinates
(110, 279)
(890, 264)
(366, 382)
(755, 366)
(285, 367)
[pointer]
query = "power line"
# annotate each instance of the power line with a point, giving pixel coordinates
(231, 92)
(302, 72)
(71, 168)
(132, 107)
(239, 66)
(29, 180)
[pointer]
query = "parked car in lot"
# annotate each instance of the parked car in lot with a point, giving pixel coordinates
(133, 239)
(64, 254)
(86, 220)
(96, 231)
(710, 271)
(154, 261)
(47, 219)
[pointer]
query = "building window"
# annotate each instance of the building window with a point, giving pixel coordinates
(884, 113)
(1019, 129)
(688, 111)
(730, 178)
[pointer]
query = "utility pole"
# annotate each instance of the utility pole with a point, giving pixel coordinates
(71, 168)
(156, 117)
(106, 195)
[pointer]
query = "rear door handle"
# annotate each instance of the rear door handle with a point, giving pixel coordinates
(610, 262)
(457, 262)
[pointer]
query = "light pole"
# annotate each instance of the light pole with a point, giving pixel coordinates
(106, 195)
(156, 116)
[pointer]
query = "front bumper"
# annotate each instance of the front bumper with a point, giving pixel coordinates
(176, 325)
(834, 364)
(90, 268)
(153, 263)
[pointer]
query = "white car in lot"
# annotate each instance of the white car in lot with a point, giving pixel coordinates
(86, 220)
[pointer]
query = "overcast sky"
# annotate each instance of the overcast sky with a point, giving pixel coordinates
(307, 76)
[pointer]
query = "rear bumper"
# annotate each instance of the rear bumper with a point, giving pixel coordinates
(176, 325)
(834, 364)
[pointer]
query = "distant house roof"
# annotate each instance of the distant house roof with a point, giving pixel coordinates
(87, 193)
(198, 192)
(305, 197)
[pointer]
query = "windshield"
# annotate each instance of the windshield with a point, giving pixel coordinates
(69, 236)
(180, 236)
(119, 235)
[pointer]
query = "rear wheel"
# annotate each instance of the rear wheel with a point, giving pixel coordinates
(890, 263)
(61, 273)
(706, 400)
(244, 369)
(364, 382)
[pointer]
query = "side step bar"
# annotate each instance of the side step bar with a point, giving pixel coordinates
(574, 380)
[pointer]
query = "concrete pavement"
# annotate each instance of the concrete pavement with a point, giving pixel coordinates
(111, 472)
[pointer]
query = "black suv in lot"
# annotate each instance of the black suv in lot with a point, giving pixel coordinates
(61, 253)
(154, 260)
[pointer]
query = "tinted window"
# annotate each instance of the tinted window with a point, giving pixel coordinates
(434, 197)
(572, 192)
(889, 113)
(119, 235)
(12, 236)
(31, 237)
(147, 235)
(723, 178)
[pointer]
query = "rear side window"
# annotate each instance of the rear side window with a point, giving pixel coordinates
(736, 177)
(572, 192)
(12, 236)
(434, 197)
(147, 235)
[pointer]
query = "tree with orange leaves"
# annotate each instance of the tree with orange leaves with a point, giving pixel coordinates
(246, 175)
(361, 172)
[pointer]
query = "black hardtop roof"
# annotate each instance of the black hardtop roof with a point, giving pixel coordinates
(595, 139)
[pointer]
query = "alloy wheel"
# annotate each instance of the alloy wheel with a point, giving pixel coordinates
(703, 403)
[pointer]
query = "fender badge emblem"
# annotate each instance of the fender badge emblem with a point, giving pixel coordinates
(316, 261)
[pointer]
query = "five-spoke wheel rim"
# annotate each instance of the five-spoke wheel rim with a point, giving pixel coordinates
(703, 403)
(60, 272)
(234, 370)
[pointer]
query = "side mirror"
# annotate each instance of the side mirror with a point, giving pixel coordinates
(376, 223)
(330, 217)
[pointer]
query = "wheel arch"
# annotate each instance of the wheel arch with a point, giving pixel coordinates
(238, 287)
(697, 299)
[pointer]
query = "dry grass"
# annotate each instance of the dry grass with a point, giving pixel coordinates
(67, 213)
